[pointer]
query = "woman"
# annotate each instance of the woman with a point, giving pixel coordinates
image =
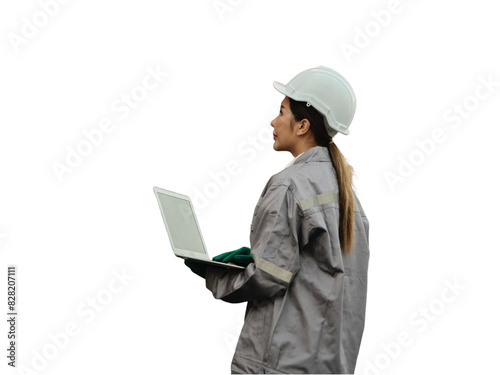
(306, 281)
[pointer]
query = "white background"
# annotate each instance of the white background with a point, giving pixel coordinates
(69, 237)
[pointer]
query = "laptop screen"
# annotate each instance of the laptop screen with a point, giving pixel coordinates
(181, 223)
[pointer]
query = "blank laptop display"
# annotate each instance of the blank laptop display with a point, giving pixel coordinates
(183, 229)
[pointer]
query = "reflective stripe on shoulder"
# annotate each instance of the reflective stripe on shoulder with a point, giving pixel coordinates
(274, 270)
(319, 200)
(324, 198)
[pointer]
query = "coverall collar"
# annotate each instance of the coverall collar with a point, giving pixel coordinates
(317, 153)
(293, 160)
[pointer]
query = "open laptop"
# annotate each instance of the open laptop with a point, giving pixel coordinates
(183, 229)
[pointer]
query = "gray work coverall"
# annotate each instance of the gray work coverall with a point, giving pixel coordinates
(306, 300)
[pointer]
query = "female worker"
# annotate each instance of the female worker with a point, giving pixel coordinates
(305, 279)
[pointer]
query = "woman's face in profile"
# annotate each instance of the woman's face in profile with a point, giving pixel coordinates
(283, 131)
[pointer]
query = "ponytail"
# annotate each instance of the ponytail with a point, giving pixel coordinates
(346, 198)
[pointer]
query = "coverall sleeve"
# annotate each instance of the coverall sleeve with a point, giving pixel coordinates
(274, 249)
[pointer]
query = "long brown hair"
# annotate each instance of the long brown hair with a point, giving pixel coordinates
(343, 170)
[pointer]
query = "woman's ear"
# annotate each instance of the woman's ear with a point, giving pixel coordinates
(303, 127)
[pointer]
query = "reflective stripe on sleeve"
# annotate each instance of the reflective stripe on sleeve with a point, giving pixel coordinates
(274, 270)
(319, 200)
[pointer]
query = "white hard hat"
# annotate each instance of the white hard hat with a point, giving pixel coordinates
(328, 92)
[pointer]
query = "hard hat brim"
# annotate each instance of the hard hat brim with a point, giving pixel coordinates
(280, 87)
